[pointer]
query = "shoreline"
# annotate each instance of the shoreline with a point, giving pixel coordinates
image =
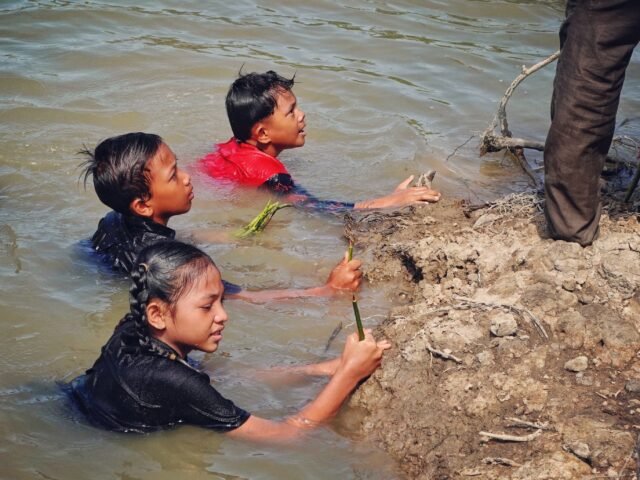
(506, 332)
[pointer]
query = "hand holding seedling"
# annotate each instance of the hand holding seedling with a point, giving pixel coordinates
(346, 275)
(354, 302)
(361, 357)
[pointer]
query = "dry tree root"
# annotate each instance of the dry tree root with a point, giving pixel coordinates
(491, 142)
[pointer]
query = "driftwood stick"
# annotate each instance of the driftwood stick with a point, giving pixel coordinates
(502, 108)
(510, 438)
(488, 138)
(490, 142)
(498, 142)
(444, 355)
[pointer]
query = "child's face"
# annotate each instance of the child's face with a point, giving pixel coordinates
(198, 316)
(285, 126)
(170, 187)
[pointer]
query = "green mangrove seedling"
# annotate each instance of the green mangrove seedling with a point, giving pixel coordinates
(354, 302)
(259, 223)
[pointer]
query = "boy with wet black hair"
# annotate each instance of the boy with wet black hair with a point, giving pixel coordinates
(137, 175)
(265, 119)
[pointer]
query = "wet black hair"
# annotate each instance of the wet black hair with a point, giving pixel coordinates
(251, 98)
(164, 270)
(118, 168)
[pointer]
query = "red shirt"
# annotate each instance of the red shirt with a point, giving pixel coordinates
(241, 163)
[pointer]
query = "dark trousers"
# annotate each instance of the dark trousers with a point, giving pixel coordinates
(596, 41)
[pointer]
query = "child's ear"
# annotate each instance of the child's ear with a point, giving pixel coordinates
(260, 133)
(155, 315)
(141, 208)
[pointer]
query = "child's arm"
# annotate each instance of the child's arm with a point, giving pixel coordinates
(283, 375)
(403, 195)
(346, 276)
(358, 361)
(320, 369)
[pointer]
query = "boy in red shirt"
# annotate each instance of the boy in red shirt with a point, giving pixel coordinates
(265, 119)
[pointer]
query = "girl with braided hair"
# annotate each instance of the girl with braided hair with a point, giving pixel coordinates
(143, 380)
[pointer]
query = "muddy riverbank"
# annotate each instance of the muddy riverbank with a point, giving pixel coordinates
(503, 331)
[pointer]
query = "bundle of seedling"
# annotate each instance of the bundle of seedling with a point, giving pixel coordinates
(260, 222)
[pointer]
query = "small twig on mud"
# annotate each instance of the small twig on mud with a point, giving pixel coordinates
(509, 438)
(444, 355)
(507, 462)
(467, 302)
(333, 336)
(602, 395)
(516, 422)
(471, 473)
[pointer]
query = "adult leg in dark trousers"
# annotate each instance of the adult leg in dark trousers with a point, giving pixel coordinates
(596, 41)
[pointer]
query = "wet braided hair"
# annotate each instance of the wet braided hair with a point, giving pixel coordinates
(163, 271)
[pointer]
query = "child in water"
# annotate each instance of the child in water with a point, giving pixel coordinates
(137, 175)
(265, 119)
(143, 380)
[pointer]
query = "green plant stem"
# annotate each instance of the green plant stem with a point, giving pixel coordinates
(356, 311)
(261, 220)
(354, 302)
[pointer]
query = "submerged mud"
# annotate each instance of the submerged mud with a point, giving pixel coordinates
(506, 332)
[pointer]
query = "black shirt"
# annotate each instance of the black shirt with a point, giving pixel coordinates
(119, 238)
(133, 389)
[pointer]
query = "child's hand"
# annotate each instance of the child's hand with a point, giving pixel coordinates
(361, 358)
(403, 195)
(346, 275)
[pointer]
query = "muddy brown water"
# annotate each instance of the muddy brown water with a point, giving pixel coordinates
(389, 89)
